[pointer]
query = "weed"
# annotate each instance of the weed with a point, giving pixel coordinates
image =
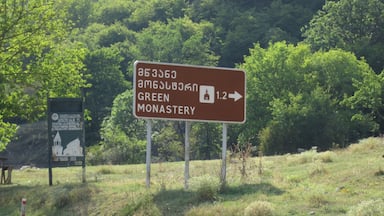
(315, 159)
(293, 179)
(244, 152)
(259, 208)
(105, 171)
(302, 158)
(206, 187)
(317, 200)
(142, 205)
(317, 169)
(62, 199)
(68, 195)
(291, 190)
(215, 210)
(380, 172)
(325, 157)
(367, 208)
(365, 145)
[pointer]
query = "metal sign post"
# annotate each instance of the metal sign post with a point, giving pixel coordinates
(224, 157)
(186, 168)
(188, 93)
(148, 153)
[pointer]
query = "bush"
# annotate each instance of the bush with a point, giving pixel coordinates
(94, 155)
(259, 208)
(206, 187)
(311, 156)
(326, 157)
(213, 210)
(68, 195)
(380, 172)
(317, 200)
(302, 158)
(365, 145)
(317, 169)
(142, 205)
(106, 170)
(367, 208)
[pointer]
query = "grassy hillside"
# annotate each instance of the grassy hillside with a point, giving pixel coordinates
(341, 182)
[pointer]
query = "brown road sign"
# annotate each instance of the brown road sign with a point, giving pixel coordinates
(185, 92)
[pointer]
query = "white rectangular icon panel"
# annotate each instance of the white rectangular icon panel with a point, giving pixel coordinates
(207, 94)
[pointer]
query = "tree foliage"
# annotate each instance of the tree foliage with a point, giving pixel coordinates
(298, 95)
(36, 59)
(7, 130)
(167, 142)
(240, 24)
(107, 80)
(207, 140)
(356, 25)
(122, 135)
(296, 98)
(177, 41)
(299, 99)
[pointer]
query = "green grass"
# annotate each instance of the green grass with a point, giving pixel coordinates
(341, 182)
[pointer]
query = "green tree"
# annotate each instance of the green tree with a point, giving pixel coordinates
(207, 141)
(302, 121)
(122, 116)
(271, 73)
(107, 80)
(106, 71)
(167, 143)
(356, 26)
(240, 24)
(137, 14)
(346, 78)
(36, 59)
(7, 130)
(116, 36)
(123, 137)
(178, 41)
(155, 10)
(367, 101)
(298, 99)
(107, 12)
(193, 32)
(79, 12)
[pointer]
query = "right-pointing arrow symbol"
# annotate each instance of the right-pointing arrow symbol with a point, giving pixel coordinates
(236, 96)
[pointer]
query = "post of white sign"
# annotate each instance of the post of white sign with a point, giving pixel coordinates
(186, 169)
(224, 157)
(148, 153)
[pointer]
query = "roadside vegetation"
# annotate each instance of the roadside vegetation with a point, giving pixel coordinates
(314, 71)
(314, 78)
(338, 182)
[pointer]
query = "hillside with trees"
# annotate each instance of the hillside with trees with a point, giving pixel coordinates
(314, 70)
